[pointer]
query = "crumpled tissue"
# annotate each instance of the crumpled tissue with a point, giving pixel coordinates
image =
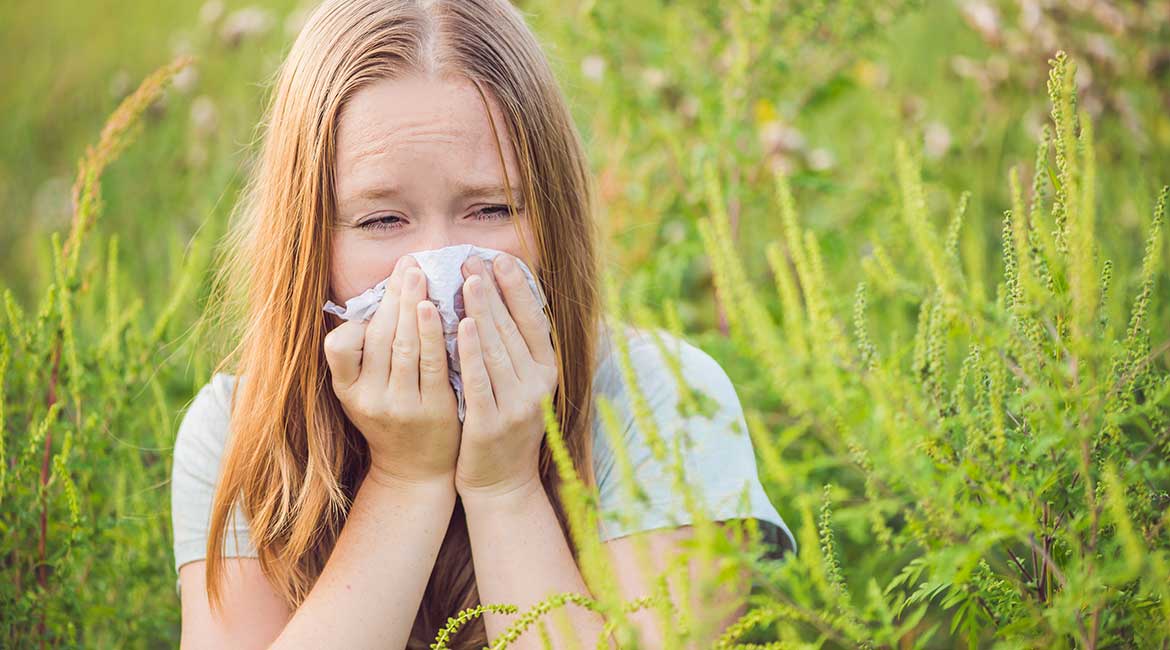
(442, 268)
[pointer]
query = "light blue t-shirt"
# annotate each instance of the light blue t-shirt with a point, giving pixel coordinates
(719, 462)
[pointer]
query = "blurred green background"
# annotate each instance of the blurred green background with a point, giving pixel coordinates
(818, 91)
(824, 100)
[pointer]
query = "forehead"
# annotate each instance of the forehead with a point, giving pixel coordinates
(413, 124)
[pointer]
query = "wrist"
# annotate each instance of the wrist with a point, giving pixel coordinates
(503, 498)
(440, 485)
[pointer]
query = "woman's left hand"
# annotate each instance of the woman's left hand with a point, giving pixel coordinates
(508, 366)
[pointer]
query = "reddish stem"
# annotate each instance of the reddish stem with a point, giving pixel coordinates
(42, 567)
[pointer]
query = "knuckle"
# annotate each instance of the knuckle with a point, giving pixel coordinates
(332, 344)
(340, 338)
(478, 383)
(508, 330)
(405, 347)
(494, 354)
(431, 364)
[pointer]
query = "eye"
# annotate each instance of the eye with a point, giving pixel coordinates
(380, 223)
(495, 212)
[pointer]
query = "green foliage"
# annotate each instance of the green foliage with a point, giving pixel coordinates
(957, 388)
(83, 536)
(995, 490)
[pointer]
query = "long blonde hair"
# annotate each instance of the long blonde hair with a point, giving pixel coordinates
(294, 462)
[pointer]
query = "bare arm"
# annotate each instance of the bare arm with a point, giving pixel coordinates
(366, 597)
(370, 590)
(253, 613)
(390, 375)
(522, 557)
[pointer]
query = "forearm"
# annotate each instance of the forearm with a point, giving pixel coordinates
(369, 591)
(521, 557)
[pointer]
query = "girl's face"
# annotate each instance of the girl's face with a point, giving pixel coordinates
(418, 168)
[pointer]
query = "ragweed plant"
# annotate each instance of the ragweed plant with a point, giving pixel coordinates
(986, 398)
(1008, 456)
(79, 517)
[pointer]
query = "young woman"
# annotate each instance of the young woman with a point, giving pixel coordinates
(325, 494)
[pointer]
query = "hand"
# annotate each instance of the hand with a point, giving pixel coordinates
(391, 378)
(508, 366)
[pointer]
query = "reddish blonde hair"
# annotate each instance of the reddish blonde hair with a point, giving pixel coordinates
(294, 462)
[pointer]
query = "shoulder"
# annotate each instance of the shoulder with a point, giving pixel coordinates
(198, 452)
(671, 399)
(663, 390)
(672, 375)
(205, 426)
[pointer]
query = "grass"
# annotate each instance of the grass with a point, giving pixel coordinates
(953, 359)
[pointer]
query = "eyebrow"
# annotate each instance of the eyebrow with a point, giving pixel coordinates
(463, 191)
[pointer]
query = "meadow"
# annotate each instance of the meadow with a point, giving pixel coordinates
(927, 241)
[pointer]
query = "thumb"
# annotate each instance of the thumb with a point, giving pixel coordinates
(343, 352)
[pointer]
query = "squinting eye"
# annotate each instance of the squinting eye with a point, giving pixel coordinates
(377, 224)
(491, 212)
(494, 212)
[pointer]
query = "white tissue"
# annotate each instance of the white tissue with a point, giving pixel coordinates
(441, 267)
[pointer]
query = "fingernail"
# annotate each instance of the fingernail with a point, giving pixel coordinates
(505, 264)
(476, 264)
(416, 277)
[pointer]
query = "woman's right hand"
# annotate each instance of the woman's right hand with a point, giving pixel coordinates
(390, 375)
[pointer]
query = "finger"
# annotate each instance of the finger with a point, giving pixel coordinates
(381, 329)
(432, 359)
(506, 326)
(525, 309)
(343, 353)
(495, 354)
(478, 396)
(405, 349)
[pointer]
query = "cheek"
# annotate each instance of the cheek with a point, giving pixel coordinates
(513, 247)
(523, 248)
(359, 264)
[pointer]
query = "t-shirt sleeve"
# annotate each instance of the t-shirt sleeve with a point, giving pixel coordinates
(714, 444)
(199, 446)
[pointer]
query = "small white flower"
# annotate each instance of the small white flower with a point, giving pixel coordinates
(1030, 15)
(593, 67)
(654, 78)
(936, 140)
(204, 115)
(776, 136)
(983, 17)
(245, 23)
(781, 164)
(820, 159)
(185, 79)
(210, 12)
